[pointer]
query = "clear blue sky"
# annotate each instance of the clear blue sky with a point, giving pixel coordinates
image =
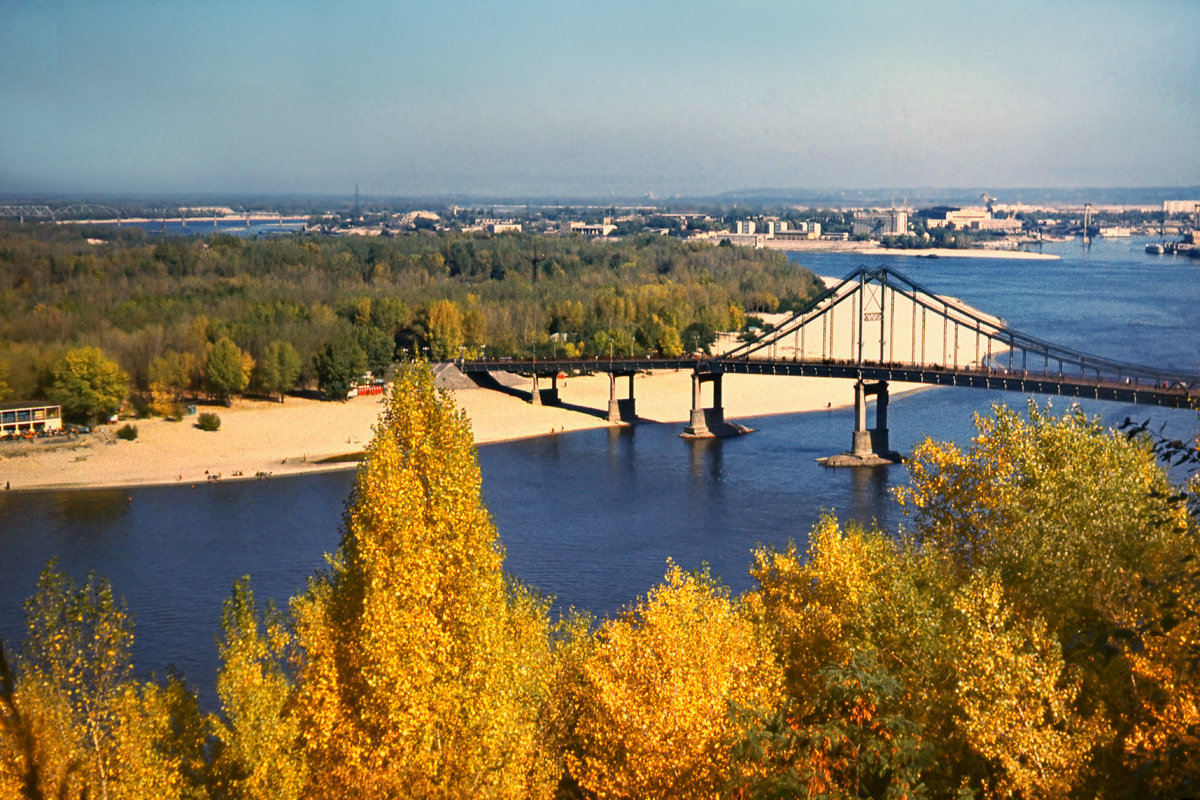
(598, 98)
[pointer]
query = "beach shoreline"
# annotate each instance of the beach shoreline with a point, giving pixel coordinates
(261, 439)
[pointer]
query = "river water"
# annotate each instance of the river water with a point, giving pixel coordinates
(592, 517)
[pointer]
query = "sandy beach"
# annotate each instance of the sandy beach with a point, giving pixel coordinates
(260, 439)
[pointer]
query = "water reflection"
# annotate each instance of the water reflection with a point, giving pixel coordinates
(869, 488)
(706, 459)
(91, 506)
(620, 448)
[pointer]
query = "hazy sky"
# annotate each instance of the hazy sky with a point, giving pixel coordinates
(598, 98)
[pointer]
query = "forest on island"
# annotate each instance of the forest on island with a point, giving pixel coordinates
(220, 315)
(1033, 632)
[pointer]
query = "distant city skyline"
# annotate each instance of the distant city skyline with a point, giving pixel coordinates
(538, 98)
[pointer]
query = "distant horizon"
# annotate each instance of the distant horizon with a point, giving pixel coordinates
(766, 196)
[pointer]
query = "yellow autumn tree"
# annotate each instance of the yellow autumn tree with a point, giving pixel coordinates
(75, 723)
(444, 324)
(652, 697)
(857, 602)
(258, 754)
(1016, 698)
(1063, 512)
(422, 671)
(852, 589)
(1083, 528)
(981, 694)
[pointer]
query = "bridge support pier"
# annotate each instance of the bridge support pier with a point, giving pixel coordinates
(874, 441)
(538, 396)
(707, 423)
(620, 409)
(868, 446)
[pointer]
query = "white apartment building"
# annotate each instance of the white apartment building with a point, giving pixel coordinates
(893, 222)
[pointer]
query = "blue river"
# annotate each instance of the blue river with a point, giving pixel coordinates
(592, 517)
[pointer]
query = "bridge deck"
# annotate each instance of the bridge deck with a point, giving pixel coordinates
(1176, 395)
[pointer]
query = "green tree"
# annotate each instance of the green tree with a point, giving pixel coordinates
(5, 389)
(422, 670)
(225, 371)
(668, 342)
(698, 337)
(378, 346)
(339, 363)
(277, 370)
(474, 327)
(848, 741)
(88, 386)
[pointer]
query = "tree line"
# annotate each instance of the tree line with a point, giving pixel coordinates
(1034, 633)
(314, 311)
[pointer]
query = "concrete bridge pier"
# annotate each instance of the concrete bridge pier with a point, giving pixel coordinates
(549, 396)
(871, 444)
(706, 423)
(620, 409)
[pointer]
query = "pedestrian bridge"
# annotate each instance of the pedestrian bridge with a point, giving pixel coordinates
(877, 326)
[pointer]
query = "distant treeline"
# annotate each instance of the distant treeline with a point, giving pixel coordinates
(157, 306)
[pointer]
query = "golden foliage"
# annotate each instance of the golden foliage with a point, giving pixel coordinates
(652, 696)
(422, 672)
(259, 755)
(1017, 697)
(90, 729)
(1064, 512)
(1038, 637)
(1082, 528)
(852, 589)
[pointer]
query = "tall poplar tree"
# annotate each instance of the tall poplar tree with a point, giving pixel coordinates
(257, 756)
(422, 671)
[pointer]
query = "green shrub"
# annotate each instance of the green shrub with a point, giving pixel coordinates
(127, 432)
(208, 422)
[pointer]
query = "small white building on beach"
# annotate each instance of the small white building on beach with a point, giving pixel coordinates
(29, 417)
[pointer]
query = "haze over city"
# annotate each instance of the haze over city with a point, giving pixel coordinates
(623, 98)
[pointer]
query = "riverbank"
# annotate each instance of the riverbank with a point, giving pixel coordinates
(873, 249)
(261, 439)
